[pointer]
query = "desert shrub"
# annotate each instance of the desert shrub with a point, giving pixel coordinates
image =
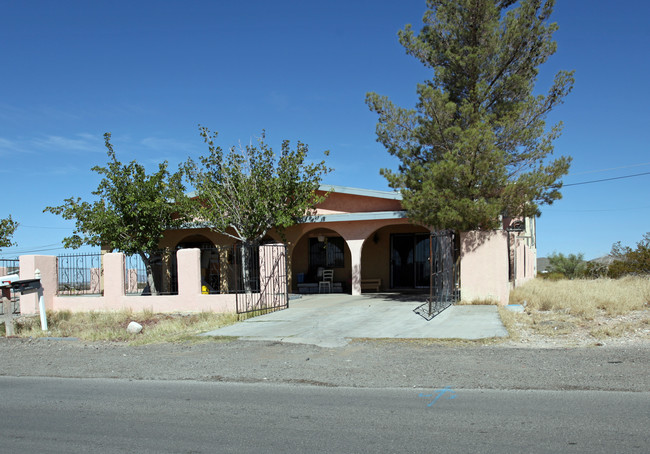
(631, 261)
(571, 266)
(594, 270)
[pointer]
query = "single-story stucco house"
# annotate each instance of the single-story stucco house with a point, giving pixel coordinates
(366, 239)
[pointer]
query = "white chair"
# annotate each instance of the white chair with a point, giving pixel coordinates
(326, 281)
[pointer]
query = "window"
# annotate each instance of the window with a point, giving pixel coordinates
(328, 254)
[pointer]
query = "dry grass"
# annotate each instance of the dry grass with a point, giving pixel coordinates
(581, 311)
(585, 298)
(478, 302)
(111, 326)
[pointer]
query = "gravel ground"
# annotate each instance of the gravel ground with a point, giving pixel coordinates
(369, 364)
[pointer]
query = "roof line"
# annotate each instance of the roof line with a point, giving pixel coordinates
(394, 195)
(346, 217)
(362, 192)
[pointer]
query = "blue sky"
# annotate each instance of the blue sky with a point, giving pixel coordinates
(150, 71)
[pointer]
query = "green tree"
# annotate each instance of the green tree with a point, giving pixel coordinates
(570, 266)
(476, 146)
(246, 191)
(132, 211)
(631, 261)
(7, 228)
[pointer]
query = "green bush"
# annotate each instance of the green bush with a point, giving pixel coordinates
(571, 266)
(631, 261)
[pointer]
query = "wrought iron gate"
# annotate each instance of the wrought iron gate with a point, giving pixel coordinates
(263, 272)
(442, 275)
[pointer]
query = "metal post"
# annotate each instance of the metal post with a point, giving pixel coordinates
(41, 302)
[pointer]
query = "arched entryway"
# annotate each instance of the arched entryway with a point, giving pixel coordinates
(317, 250)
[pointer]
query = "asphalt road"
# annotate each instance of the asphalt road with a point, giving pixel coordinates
(371, 364)
(101, 415)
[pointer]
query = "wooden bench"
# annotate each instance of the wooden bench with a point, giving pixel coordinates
(370, 284)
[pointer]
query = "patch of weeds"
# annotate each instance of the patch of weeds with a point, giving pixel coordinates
(512, 321)
(111, 326)
(478, 302)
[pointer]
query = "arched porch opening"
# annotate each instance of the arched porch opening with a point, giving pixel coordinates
(317, 250)
(397, 255)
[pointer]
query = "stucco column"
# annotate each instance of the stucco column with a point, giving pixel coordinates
(355, 257)
(49, 281)
(189, 271)
(114, 275)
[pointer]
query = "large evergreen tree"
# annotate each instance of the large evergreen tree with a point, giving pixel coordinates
(476, 146)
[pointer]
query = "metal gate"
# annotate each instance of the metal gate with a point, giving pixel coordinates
(442, 275)
(263, 272)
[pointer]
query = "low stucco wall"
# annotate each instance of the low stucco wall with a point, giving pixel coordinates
(484, 266)
(189, 298)
(157, 304)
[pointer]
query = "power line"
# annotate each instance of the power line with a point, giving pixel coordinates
(606, 179)
(641, 164)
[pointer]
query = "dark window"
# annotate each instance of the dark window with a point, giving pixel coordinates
(328, 253)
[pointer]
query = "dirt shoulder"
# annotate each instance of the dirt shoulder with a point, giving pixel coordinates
(362, 363)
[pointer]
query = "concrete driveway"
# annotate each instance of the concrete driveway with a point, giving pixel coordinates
(332, 320)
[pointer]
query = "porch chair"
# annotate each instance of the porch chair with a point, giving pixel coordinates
(326, 281)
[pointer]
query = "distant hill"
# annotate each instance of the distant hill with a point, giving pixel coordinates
(604, 260)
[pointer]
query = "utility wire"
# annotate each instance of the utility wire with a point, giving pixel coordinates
(641, 164)
(606, 179)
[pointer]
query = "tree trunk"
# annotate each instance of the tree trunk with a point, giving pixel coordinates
(150, 281)
(245, 267)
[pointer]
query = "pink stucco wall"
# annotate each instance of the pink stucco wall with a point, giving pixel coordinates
(189, 298)
(484, 266)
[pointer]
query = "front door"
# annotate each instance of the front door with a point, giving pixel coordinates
(409, 265)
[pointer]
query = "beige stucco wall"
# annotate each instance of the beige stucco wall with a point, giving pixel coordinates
(484, 266)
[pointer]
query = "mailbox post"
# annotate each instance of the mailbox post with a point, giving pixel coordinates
(22, 286)
(7, 313)
(31, 285)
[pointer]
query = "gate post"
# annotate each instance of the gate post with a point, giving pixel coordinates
(189, 271)
(49, 281)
